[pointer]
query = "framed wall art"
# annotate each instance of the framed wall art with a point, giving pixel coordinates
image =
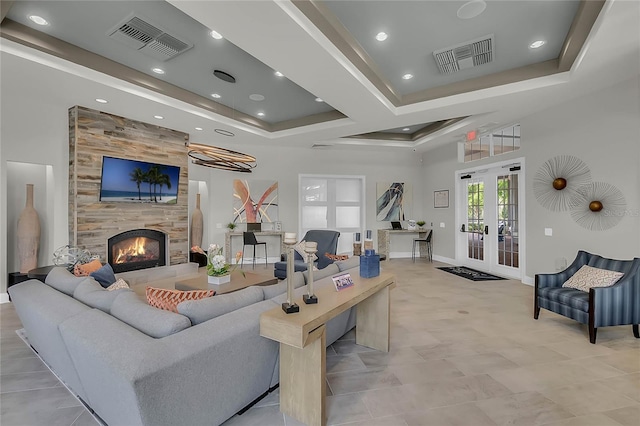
(441, 199)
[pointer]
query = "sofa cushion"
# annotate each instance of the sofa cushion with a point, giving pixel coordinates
(63, 280)
(93, 294)
(133, 310)
(104, 276)
(352, 262)
(204, 309)
(587, 277)
(576, 299)
(274, 290)
(167, 299)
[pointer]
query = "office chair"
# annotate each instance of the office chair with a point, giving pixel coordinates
(249, 239)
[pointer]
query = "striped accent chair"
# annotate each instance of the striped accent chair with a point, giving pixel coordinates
(618, 304)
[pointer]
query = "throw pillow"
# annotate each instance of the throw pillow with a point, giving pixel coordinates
(588, 277)
(120, 283)
(336, 257)
(167, 299)
(87, 268)
(104, 275)
(300, 249)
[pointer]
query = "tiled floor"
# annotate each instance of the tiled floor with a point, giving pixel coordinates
(462, 353)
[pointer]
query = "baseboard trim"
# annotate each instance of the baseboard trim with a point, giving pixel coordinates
(443, 259)
(528, 280)
(4, 298)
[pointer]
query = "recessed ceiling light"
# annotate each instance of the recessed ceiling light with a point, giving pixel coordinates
(406, 129)
(157, 70)
(471, 9)
(256, 97)
(536, 44)
(261, 114)
(407, 76)
(159, 117)
(382, 36)
(38, 20)
(319, 100)
(279, 74)
(102, 101)
(216, 96)
(215, 34)
(198, 128)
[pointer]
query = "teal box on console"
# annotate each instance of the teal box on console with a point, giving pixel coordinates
(370, 265)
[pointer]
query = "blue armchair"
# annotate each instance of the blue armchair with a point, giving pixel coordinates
(618, 304)
(327, 243)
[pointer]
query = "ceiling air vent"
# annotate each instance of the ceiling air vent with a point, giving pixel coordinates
(321, 146)
(465, 55)
(138, 33)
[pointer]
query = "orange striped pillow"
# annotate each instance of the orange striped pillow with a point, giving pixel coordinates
(168, 300)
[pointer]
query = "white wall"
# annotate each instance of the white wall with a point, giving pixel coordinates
(602, 130)
(35, 131)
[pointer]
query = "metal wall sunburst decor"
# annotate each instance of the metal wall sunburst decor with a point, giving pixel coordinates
(558, 180)
(598, 206)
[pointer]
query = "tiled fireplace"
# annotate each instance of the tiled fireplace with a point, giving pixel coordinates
(137, 249)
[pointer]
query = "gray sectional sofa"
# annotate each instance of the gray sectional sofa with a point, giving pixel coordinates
(137, 365)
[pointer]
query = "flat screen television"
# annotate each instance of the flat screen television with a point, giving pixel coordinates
(135, 181)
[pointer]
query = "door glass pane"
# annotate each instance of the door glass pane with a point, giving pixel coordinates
(314, 190)
(508, 249)
(314, 217)
(348, 190)
(475, 219)
(348, 217)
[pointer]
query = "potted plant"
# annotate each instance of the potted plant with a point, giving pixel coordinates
(231, 226)
(420, 223)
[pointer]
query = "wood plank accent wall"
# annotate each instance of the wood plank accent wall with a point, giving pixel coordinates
(94, 134)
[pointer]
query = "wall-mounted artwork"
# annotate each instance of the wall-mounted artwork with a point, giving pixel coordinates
(394, 201)
(255, 201)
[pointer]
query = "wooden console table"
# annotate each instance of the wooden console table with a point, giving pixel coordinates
(384, 236)
(302, 338)
(228, 235)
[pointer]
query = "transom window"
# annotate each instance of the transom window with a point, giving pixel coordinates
(495, 143)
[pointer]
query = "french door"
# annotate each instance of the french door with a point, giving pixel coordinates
(489, 219)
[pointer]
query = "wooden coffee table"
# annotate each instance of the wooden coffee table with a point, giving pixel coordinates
(238, 282)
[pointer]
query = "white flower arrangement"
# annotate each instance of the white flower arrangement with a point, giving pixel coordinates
(217, 264)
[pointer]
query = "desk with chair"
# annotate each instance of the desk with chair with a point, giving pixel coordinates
(384, 236)
(229, 235)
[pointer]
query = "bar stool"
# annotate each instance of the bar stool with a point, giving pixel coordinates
(249, 239)
(427, 241)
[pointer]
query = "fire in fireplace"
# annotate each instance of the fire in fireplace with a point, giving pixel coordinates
(137, 249)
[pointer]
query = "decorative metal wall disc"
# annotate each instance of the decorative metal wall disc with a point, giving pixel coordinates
(220, 158)
(598, 206)
(556, 183)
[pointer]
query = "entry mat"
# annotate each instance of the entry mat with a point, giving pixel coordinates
(470, 274)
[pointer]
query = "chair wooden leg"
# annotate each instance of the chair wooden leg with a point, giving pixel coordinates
(592, 334)
(536, 312)
(636, 332)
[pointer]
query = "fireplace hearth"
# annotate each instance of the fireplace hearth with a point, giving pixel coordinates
(137, 249)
